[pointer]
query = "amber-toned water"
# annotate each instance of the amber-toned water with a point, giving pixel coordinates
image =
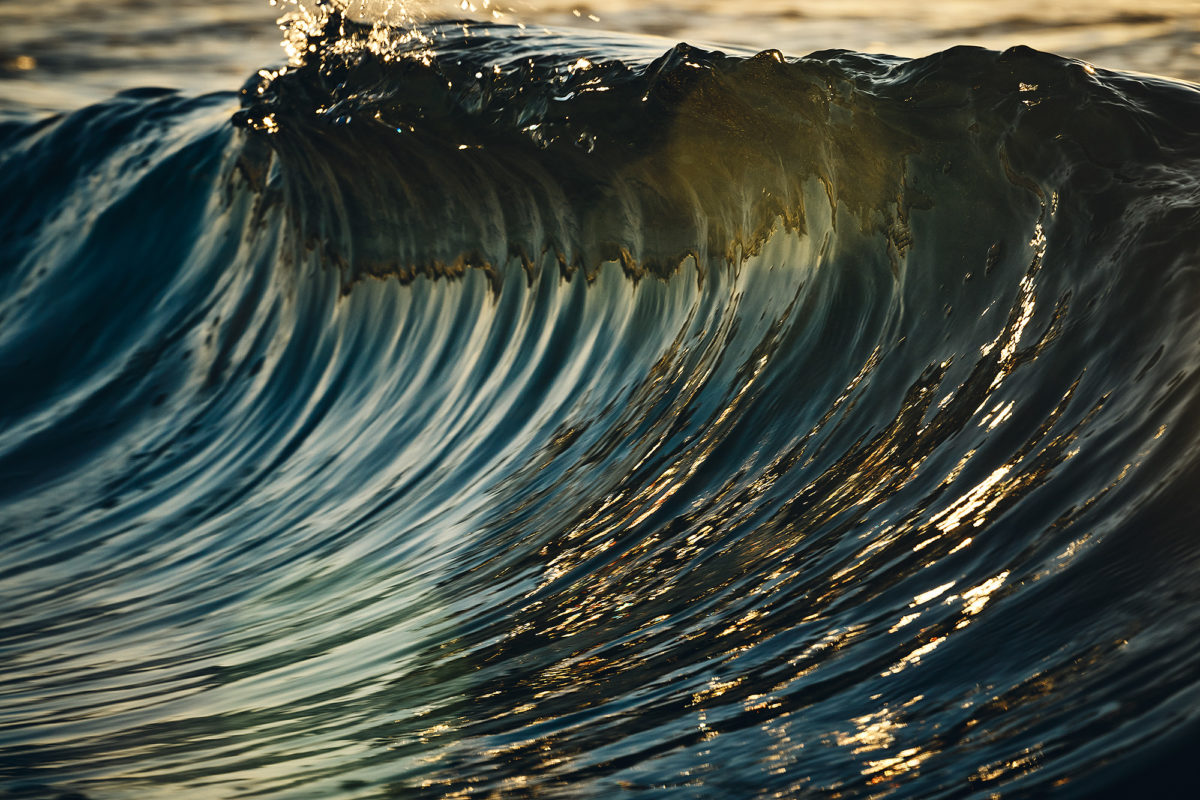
(59, 54)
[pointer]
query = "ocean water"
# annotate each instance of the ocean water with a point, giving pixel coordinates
(528, 405)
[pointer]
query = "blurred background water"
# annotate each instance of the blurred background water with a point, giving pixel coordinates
(61, 54)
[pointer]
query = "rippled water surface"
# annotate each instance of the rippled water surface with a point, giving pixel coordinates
(484, 409)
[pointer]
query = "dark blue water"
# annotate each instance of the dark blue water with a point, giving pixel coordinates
(551, 416)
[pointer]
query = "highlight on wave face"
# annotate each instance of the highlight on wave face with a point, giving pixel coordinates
(473, 409)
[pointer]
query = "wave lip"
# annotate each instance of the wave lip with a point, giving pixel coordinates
(501, 155)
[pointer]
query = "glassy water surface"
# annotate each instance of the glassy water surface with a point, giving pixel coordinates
(516, 402)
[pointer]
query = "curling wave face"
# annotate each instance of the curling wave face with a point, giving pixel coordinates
(720, 425)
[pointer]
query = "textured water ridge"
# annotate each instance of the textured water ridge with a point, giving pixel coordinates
(551, 416)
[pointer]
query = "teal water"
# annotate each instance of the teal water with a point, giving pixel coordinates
(495, 412)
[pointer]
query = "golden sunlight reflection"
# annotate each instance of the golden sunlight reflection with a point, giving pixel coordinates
(972, 602)
(974, 506)
(914, 656)
(392, 30)
(978, 597)
(881, 730)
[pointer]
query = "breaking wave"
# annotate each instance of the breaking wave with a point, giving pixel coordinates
(550, 416)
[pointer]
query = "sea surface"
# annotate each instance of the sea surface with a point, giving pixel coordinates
(644, 402)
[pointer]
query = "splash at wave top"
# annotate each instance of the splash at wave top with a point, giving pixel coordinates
(551, 416)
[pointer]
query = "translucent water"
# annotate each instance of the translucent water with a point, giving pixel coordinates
(471, 410)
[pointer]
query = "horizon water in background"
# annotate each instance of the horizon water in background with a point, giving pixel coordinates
(57, 55)
(632, 400)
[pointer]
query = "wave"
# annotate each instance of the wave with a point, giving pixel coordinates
(503, 414)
